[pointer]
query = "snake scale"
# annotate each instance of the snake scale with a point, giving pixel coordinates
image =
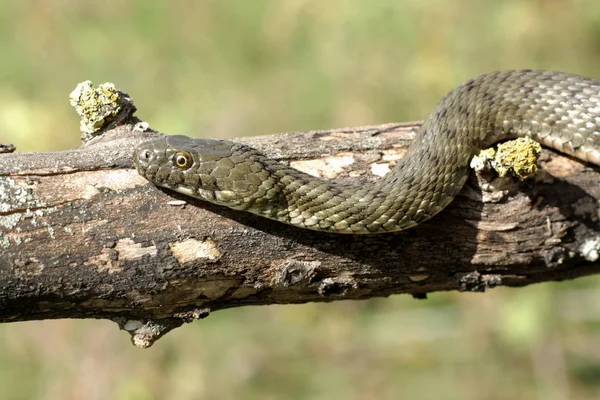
(559, 110)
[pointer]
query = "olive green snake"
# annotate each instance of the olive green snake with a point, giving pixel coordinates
(559, 110)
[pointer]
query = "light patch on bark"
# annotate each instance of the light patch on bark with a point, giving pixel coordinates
(83, 185)
(104, 261)
(30, 267)
(328, 168)
(380, 169)
(88, 183)
(127, 249)
(192, 249)
(393, 154)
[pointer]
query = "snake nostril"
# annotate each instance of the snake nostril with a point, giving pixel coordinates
(144, 155)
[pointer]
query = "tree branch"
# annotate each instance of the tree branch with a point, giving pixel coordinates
(82, 235)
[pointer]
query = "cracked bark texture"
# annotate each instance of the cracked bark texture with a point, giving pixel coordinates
(82, 235)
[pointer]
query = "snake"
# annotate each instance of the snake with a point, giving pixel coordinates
(556, 109)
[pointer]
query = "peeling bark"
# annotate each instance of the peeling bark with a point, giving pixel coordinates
(82, 235)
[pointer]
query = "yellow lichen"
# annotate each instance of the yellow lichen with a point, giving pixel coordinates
(517, 157)
(95, 105)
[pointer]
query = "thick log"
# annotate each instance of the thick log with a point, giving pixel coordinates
(82, 235)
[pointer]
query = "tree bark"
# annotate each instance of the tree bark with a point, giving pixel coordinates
(82, 235)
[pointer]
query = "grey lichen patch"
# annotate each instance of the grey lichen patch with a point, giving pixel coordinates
(193, 249)
(18, 204)
(516, 157)
(329, 168)
(10, 221)
(338, 286)
(4, 242)
(483, 160)
(33, 215)
(590, 249)
(294, 272)
(15, 196)
(127, 249)
(100, 106)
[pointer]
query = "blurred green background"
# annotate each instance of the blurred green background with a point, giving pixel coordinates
(250, 67)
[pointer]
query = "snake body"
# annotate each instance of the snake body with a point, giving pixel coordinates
(559, 110)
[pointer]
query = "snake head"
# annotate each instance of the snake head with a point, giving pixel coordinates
(219, 171)
(163, 160)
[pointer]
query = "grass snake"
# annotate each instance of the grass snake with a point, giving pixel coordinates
(559, 110)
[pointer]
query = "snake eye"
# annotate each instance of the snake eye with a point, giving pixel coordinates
(183, 160)
(145, 155)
